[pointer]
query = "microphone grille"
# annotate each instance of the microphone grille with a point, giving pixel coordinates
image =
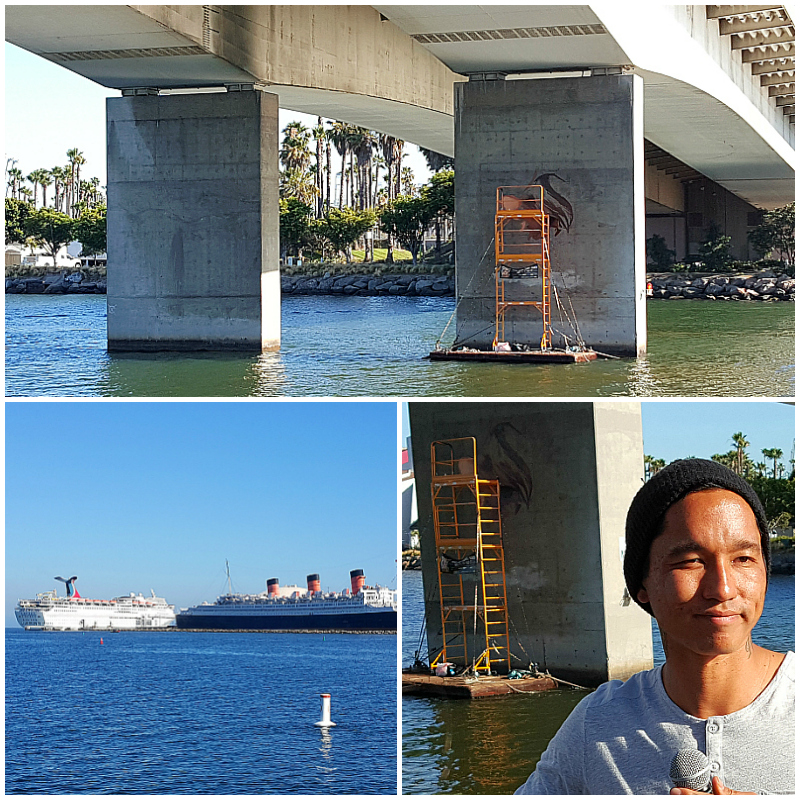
(690, 769)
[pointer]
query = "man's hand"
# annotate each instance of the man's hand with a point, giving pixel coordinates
(717, 787)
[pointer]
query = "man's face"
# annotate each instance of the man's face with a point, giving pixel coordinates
(707, 577)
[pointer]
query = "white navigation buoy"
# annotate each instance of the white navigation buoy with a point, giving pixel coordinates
(325, 722)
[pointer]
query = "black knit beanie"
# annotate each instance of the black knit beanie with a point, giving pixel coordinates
(667, 486)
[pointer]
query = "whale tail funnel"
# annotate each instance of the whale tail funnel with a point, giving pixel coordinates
(70, 582)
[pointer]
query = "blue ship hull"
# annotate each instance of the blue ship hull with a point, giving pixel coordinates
(377, 621)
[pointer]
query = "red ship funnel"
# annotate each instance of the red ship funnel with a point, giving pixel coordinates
(313, 583)
(272, 587)
(356, 580)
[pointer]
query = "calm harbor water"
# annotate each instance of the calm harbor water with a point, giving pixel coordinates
(491, 746)
(374, 346)
(199, 713)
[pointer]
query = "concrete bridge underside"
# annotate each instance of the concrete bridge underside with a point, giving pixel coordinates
(397, 69)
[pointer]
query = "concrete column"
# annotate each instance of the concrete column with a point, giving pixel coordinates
(193, 222)
(582, 138)
(568, 472)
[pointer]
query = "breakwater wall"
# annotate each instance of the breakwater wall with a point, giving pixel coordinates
(370, 285)
(666, 286)
(764, 287)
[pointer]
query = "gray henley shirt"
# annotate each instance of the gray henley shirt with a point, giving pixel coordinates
(622, 738)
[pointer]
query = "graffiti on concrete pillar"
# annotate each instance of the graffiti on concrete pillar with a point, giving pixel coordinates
(555, 204)
(500, 460)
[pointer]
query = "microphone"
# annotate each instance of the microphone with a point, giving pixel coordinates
(690, 769)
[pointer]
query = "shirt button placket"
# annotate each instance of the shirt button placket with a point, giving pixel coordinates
(714, 727)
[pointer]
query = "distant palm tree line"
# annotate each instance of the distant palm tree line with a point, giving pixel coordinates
(71, 195)
(737, 460)
(365, 157)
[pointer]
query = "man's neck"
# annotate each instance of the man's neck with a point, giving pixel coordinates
(713, 686)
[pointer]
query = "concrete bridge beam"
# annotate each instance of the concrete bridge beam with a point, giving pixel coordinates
(567, 473)
(583, 139)
(193, 222)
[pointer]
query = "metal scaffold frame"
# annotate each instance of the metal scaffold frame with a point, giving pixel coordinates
(522, 243)
(469, 541)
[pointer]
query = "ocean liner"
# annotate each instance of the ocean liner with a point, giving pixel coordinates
(360, 608)
(48, 611)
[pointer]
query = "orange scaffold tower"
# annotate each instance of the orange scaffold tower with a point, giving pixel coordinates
(471, 566)
(522, 250)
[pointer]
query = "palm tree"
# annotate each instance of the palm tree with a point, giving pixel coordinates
(75, 158)
(32, 178)
(16, 181)
(39, 177)
(774, 453)
(320, 137)
(294, 153)
(299, 184)
(437, 161)
(338, 137)
(45, 180)
(362, 145)
(727, 459)
(407, 180)
(741, 443)
(59, 175)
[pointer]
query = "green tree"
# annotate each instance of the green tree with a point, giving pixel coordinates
(715, 249)
(440, 195)
(295, 221)
(776, 235)
(777, 497)
(343, 227)
(90, 230)
(17, 211)
(658, 254)
(407, 219)
(49, 229)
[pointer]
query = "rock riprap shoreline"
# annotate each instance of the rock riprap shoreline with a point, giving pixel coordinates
(667, 286)
(370, 285)
(763, 287)
(66, 283)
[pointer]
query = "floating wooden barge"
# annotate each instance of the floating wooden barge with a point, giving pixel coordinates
(471, 687)
(516, 356)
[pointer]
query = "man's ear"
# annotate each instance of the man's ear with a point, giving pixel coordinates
(642, 595)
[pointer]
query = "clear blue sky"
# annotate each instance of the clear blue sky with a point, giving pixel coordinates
(677, 429)
(50, 110)
(133, 496)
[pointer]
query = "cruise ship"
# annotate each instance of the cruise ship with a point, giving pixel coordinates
(360, 608)
(50, 612)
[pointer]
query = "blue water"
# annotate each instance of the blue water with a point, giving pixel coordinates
(375, 346)
(199, 713)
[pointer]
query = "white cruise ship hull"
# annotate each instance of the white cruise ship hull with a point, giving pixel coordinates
(82, 615)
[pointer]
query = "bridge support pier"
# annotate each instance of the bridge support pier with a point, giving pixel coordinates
(193, 222)
(567, 473)
(582, 138)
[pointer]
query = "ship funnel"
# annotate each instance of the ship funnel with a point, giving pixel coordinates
(272, 587)
(356, 580)
(70, 582)
(313, 582)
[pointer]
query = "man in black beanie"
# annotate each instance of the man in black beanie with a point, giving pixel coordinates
(697, 559)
